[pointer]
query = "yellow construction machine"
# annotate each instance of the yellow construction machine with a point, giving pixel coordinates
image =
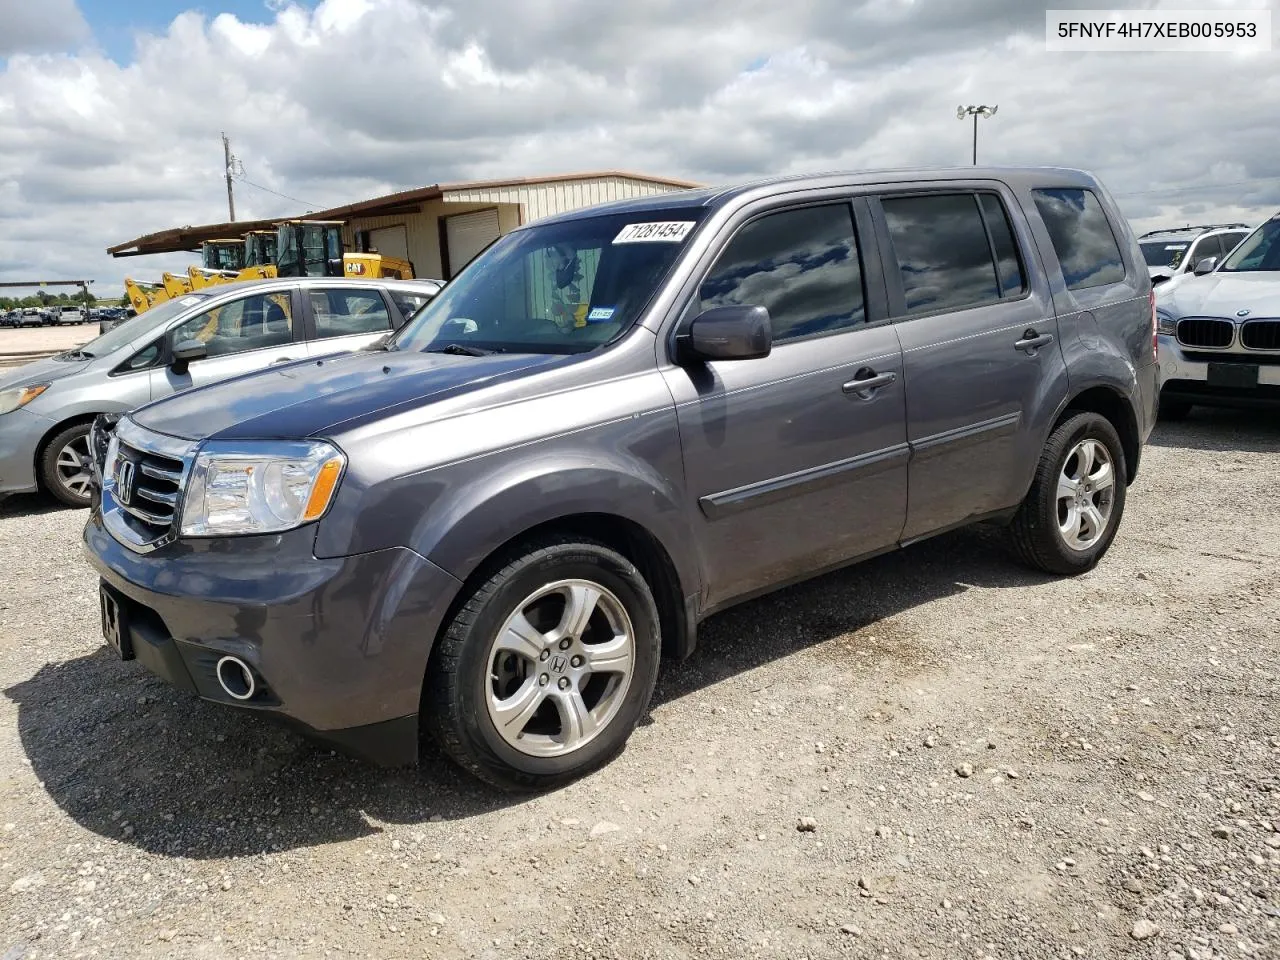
(313, 248)
(296, 248)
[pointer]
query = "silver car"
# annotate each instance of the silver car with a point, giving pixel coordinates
(47, 407)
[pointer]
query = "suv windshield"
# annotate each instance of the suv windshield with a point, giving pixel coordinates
(141, 325)
(1164, 253)
(557, 288)
(1258, 251)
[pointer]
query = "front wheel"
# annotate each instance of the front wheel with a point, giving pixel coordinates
(65, 466)
(1072, 511)
(547, 666)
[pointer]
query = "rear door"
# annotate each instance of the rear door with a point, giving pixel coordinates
(790, 465)
(980, 350)
(242, 335)
(343, 317)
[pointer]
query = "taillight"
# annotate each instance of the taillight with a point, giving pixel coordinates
(1155, 327)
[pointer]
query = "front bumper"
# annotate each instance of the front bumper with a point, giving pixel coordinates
(340, 645)
(1186, 378)
(20, 434)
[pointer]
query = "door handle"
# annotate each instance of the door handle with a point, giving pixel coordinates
(281, 360)
(1031, 341)
(865, 387)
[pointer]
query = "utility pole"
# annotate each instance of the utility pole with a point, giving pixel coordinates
(231, 200)
(971, 111)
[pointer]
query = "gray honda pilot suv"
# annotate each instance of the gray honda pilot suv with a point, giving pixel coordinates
(613, 423)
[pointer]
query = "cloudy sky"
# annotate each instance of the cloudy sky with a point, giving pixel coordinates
(110, 112)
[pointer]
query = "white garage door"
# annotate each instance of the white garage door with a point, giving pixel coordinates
(390, 241)
(467, 234)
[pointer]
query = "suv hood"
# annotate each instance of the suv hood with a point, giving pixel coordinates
(1223, 295)
(309, 397)
(40, 371)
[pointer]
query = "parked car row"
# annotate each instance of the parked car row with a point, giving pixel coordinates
(46, 316)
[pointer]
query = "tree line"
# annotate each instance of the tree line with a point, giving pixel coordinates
(43, 298)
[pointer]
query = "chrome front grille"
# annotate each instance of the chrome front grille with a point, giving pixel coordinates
(1205, 332)
(147, 486)
(1261, 335)
(142, 488)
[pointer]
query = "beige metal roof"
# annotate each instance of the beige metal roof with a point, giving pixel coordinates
(406, 201)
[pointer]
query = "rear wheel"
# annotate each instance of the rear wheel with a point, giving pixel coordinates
(1073, 509)
(547, 667)
(65, 466)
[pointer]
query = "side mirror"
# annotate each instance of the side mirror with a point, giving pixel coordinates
(727, 333)
(185, 352)
(1205, 266)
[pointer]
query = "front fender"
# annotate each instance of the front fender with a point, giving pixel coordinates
(459, 514)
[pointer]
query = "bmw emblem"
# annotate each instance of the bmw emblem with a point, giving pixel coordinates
(1242, 313)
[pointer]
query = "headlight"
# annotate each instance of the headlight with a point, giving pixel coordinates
(268, 487)
(11, 400)
(1165, 323)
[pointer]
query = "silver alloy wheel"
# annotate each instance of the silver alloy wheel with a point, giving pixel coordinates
(560, 668)
(1086, 494)
(73, 467)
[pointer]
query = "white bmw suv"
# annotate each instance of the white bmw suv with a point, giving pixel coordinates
(1219, 330)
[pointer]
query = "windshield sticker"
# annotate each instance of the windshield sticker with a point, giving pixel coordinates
(188, 301)
(1176, 246)
(600, 315)
(671, 231)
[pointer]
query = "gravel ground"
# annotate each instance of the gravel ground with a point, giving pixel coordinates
(934, 754)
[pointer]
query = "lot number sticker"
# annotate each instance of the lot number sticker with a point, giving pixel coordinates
(671, 231)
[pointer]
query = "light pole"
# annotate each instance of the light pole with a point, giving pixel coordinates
(971, 111)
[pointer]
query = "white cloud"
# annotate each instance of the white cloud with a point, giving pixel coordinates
(357, 97)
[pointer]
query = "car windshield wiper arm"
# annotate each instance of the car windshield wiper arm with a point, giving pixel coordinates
(462, 350)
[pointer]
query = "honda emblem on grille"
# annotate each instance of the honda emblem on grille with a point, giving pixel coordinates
(1242, 313)
(124, 481)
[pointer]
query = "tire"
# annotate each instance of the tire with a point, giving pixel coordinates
(1037, 528)
(1174, 410)
(469, 674)
(55, 467)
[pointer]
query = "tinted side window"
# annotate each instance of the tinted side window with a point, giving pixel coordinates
(942, 251)
(1008, 263)
(1081, 236)
(265, 320)
(801, 265)
(1231, 240)
(1207, 247)
(409, 303)
(340, 313)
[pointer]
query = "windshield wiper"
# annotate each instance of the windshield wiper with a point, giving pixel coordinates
(462, 350)
(76, 355)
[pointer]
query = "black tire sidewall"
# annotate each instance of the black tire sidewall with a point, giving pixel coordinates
(563, 562)
(49, 465)
(1064, 439)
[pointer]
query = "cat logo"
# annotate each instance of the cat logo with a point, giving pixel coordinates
(356, 269)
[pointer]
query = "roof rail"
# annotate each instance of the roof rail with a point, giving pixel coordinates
(1198, 229)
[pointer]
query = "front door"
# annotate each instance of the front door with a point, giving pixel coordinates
(241, 336)
(792, 466)
(981, 354)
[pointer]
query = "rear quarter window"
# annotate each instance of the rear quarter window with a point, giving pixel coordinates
(1081, 236)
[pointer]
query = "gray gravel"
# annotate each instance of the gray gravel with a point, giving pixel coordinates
(935, 754)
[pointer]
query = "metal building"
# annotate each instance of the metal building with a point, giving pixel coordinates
(437, 228)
